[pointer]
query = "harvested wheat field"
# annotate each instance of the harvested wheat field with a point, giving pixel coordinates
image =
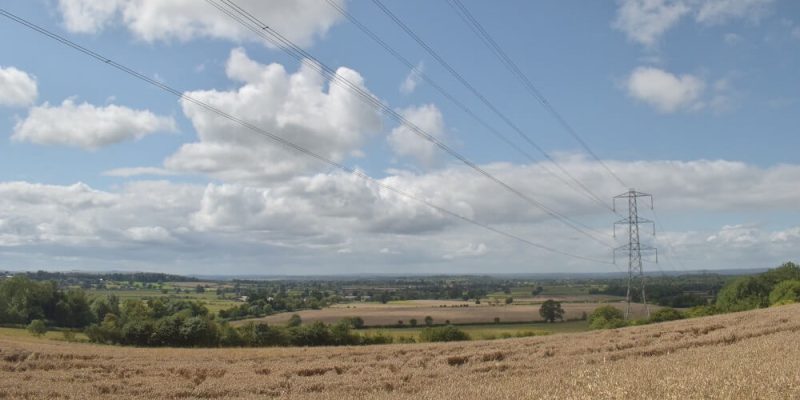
(748, 355)
(388, 314)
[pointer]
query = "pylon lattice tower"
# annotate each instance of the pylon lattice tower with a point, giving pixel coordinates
(634, 248)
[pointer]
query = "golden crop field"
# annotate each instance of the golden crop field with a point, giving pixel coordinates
(455, 312)
(748, 355)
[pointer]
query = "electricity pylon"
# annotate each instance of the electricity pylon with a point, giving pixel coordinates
(634, 247)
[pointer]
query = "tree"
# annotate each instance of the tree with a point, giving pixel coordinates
(37, 328)
(294, 321)
(745, 293)
(509, 300)
(428, 320)
(551, 310)
(412, 322)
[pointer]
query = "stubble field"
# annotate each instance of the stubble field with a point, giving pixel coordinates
(748, 355)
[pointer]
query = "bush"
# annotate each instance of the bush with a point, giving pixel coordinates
(37, 328)
(447, 333)
(742, 294)
(785, 292)
(606, 317)
(701, 311)
(666, 314)
(294, 321)
(428, 320)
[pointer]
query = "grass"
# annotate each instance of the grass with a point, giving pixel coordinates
(22, 333)
(492, 331)
(748, 355)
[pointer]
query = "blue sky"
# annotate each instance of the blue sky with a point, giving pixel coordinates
(694, 101)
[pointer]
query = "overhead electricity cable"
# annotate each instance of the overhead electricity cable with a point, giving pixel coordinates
(487, 39)
(276, 138)
(251, 22)
(480, 95)
(458, 103)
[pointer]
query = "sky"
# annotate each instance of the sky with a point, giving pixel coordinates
(695, 102)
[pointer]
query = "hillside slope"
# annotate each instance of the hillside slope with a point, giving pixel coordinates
(751, 355)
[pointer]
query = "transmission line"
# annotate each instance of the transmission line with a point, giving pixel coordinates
(480, 95)
(458, 103)
(251, 22)
(498, 51)
(276, 138)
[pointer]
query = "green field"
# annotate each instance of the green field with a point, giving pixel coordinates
(491, 331)
(209, 297)
(51, 335)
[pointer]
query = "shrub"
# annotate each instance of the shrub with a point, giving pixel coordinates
(784, 292)
(37, 328)
(428, 320)
(666, 314)
(606, 317)
(447, 333)
(294, 321)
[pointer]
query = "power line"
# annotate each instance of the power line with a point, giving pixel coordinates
(453, 99)
(251, 22)
(280, 140)
(487, 39)
(479, 95)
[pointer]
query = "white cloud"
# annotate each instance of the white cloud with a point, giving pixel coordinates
(470, 250)
(719, 11)
(17, 88)
(412, 79)
(138, 171)
(331, 121)
(338, 221)
(644, 21)
(406, 143)
(301, 21)
(666, 92)
(87, 126)
(88, 16)
(796, 33)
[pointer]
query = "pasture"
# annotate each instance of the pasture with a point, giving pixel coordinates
(746, 355)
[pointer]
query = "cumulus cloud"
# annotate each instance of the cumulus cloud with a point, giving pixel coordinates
(17, 88)
(302, 107)
(338, 220)
(87, 126)
(645, 21)
(301, 21)
(406, 143)
(665, 91)
(412, 79)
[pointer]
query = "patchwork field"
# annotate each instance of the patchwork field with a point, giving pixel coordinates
(376, 314)
(748, 355)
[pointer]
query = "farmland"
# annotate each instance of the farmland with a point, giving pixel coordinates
(637, 362)
(375, 314)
